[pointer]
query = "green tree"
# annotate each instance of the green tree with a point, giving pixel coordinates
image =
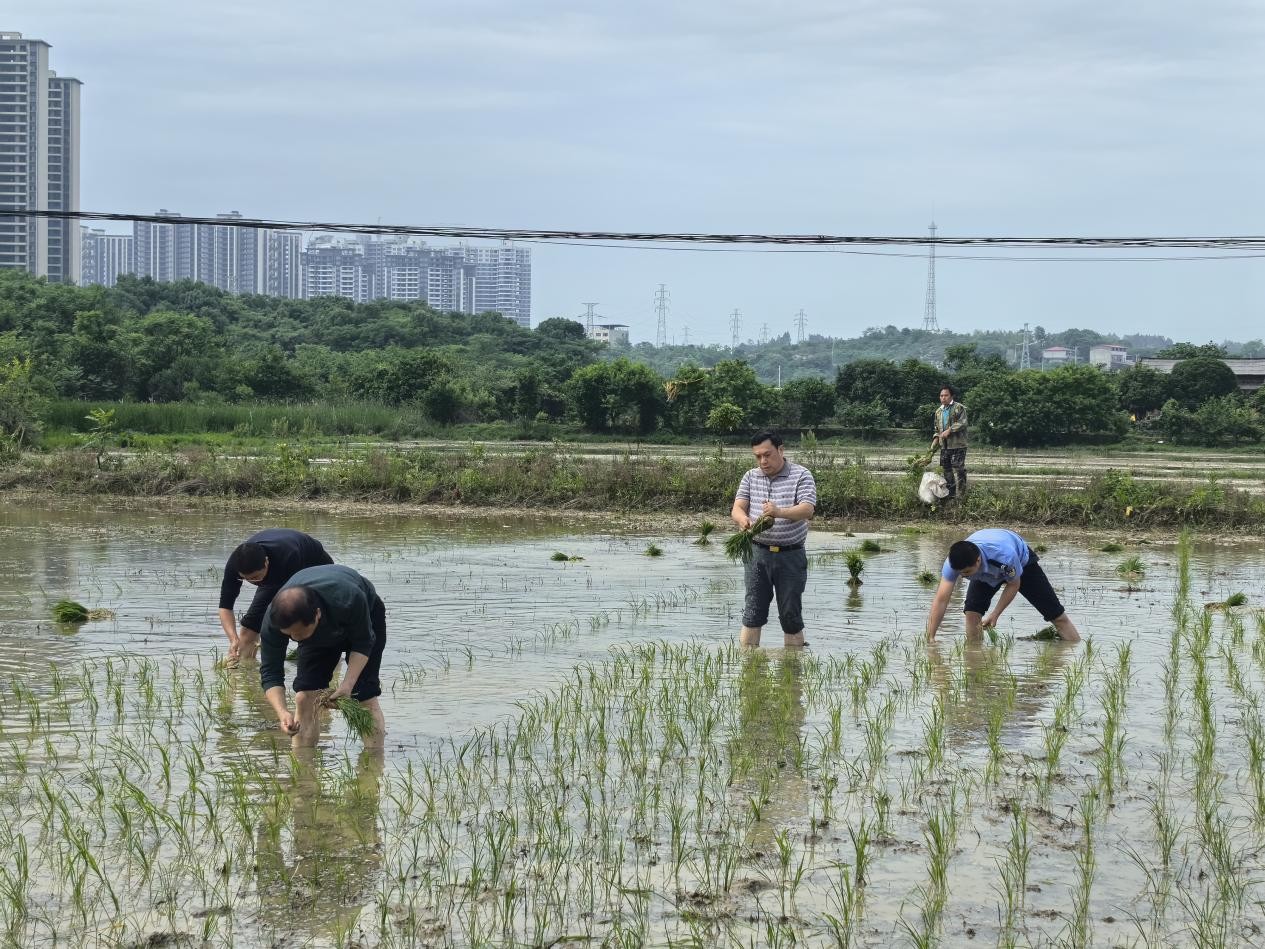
(23, 402)
(1142, 390)
(1073, 403)
(1195, 381)
(618, 396)
(807, 402)
(725, 418)
(1191, 351)
(733, 380)
(868, 419)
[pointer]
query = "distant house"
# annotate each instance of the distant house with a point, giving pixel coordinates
(1109, 356)
(1250, 373)
(610, 333)
(1054, 356)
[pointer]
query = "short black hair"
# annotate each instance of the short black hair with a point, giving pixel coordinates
(294, 605)
(952, 391)
(759, 438)
(963, 554)
(248, 557)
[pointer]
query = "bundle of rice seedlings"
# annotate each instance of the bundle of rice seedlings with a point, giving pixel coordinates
(68, 611)
(739, 546)
(1229, 603)
(704, 534)
(871, 547)
(292, 656)
(359, 719)
(559, 556)
(1046, 633)
(855, 563)
(674, 387)
(653, 550)
(1111, 547)
(915, 464)
(927, 578)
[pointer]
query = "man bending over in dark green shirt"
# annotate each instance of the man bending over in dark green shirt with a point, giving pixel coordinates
(329, 611)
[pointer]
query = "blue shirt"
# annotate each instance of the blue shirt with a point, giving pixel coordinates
(1005, 555)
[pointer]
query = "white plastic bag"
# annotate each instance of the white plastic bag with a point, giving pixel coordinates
(933, 488)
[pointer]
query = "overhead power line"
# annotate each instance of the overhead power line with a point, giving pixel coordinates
(1225, 243)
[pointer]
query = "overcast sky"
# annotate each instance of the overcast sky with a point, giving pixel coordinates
(1034, 118)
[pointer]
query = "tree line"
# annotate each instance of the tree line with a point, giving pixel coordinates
(186, 342)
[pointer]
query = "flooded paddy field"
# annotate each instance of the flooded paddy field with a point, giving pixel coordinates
(579, 755)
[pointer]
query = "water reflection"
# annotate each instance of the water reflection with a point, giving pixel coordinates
(974, 678)
(767, 747)
(319, 880)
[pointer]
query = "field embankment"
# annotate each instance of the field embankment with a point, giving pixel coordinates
(551, 480)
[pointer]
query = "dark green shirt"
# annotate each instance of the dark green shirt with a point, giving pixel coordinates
(346, 600)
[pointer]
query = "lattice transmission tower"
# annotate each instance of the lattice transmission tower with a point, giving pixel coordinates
(929, 321)
(1025, 353)
(588, 318)
(800, 322)
(735, 324)
(661, 311)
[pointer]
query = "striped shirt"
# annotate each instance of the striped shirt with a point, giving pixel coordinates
(790, 486)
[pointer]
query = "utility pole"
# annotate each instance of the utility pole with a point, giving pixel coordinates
(764, 333)
(735, 324)
(1025, 354)
(779, 377)
(685, 330)
(929, 321)
(661, 310)
(800, 322)
(588, 318)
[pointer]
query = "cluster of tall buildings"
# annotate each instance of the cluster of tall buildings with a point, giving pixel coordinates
(242, 259)
(39, 170)
(39, 160)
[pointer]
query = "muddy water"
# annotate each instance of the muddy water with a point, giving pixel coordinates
(480, 619)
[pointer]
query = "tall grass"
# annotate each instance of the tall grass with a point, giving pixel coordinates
(256, 420)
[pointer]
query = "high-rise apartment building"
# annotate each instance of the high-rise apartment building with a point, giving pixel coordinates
(106, 257)
(283, 264)
(461, 279)
(39, 160)
(64, 246)
(154, 246)
(336, 268)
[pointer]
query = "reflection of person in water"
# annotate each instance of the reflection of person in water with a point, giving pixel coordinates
(766, 750)
(332, 870)
(970, 690)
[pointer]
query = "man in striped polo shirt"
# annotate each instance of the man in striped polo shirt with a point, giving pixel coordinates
(786, 492)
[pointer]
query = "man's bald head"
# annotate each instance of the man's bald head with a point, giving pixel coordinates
(296, 611)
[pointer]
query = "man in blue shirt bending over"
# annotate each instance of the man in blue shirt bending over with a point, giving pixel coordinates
(992, 559)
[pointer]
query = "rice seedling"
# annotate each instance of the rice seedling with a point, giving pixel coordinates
(739, 546)
(927, 578)
(70, 612)
(653, 550)
(357, 716)
(855, 564)
(705, 530)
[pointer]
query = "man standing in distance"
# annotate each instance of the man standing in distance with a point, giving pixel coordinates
(330, 612)
(950, 422)
(268, 560)
(786, 492)
(992, 559)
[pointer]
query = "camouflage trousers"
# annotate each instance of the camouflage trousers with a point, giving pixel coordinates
(953, 462)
